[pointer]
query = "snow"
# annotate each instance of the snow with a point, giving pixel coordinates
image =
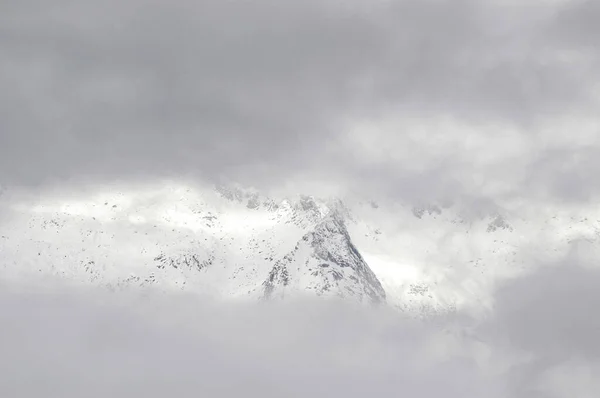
(229, 242)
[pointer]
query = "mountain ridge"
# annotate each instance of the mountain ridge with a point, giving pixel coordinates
(227, 242)
(232, 247)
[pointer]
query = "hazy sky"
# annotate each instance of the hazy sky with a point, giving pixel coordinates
(408, 98)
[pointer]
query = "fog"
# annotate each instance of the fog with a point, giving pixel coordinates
(77, 343)
(66, 341)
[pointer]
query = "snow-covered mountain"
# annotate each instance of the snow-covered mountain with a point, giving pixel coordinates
(233, 242)
(325, 261)
(224, 241)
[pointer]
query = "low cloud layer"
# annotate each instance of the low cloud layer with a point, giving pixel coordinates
(79, 343)
(548, 317)
(538, 342)
(405, 98)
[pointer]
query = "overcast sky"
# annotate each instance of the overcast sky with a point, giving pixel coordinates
(489, 100)
(411, 99)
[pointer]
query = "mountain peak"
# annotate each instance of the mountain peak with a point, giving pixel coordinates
(326, 262)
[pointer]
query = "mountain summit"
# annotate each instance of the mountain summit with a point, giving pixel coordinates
(326, 262)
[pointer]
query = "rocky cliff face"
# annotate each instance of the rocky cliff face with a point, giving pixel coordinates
(326, 262)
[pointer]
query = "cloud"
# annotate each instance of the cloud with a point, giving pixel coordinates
(547, 317)
(491, 102)
(549, 311)
(267, 94)
(72, 343)
(539, 341)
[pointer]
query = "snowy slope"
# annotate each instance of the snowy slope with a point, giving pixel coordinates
(232, 242)
(225, 242)
(325, 261)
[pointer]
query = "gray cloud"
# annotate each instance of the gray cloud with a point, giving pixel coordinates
(576, 25)
(72, 343)
(540, 342)
(550, 311)
(548, 316)
(411, 99)
(265, 93)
